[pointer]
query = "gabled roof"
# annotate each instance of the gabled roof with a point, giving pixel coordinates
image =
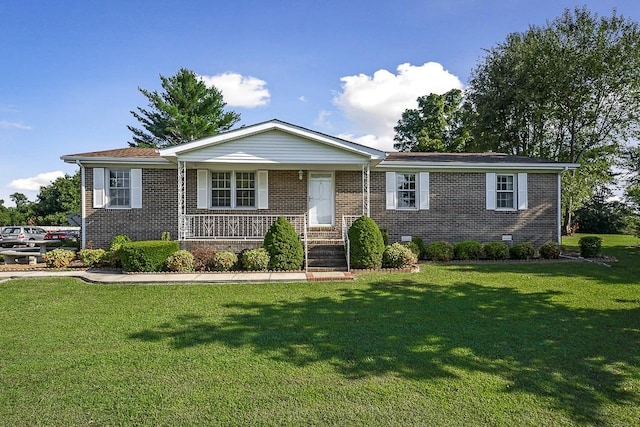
(246, 132)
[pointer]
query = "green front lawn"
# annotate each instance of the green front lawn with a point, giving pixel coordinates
(458, 344)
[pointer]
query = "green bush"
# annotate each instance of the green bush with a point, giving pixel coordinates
(522, 251)
(439, 251)
(113, 255)
(284, 246)
(59, 258)
(203, 258)
(146, 255)
(413, 247)
(466, 250)
(255, 259)
(367, 244)
(550, 250)
(590, 246)
(495, 250)
(398, 255)
(92, 257)
(385, 236)
(421, 247)
(165, 235)
(181, 261)
(225, 261)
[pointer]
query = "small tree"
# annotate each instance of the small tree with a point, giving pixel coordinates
(367, 245)
(284, 246)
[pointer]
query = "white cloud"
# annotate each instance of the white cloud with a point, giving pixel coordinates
(34, 183)
(374, 104)
(302, 99)
(239, 90)
(323, 120)
(4, 124)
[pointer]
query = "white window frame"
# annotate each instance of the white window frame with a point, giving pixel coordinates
(421, 190)
(506, 177)
(519, 191)
(102, 188)
(118, 176)
(205, 189)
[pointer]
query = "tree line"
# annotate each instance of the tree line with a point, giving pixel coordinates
(568, 91)
(52, 206)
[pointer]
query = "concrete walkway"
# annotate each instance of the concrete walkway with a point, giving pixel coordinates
(105, 276)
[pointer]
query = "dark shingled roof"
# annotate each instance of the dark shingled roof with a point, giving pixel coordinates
(138, 152)
(461, 157)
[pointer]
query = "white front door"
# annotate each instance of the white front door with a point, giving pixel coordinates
(321, 198)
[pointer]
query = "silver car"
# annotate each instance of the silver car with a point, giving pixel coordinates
(20, 235)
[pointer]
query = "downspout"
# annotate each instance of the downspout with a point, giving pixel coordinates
(83, 211)
(559, 214)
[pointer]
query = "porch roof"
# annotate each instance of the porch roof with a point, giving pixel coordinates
(273, 142)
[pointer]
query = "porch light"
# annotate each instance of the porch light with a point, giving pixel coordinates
(300, 174)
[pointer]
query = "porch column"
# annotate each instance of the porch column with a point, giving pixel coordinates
(366, 195)
(182, 199)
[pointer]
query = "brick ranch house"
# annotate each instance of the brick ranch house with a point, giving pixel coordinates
(226, 190)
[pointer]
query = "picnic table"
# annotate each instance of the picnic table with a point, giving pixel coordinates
(32, 252)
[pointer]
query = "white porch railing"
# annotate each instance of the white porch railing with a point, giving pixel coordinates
(237, 227)
(347, 221)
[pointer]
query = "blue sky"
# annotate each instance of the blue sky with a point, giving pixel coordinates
(70, 69)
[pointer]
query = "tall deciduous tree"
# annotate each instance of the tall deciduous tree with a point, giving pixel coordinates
(186, 110)
(568, 91)
(436, 125)
(59, 199)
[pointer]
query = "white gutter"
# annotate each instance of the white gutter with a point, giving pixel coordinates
(393, 165)
(83, 197)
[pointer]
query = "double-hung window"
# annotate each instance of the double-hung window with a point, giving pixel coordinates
(232, 190)
(117, 188)
(407, 190)
(506, 191)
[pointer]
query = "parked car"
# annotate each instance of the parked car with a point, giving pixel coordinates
(66, 235)
(20, 235)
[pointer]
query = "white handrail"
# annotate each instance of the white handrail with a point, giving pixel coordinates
(236, 227)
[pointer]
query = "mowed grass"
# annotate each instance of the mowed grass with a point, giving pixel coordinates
(493, 344)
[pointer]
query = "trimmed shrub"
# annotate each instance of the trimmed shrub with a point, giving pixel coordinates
(255, 259)
(522, 251)
(420, 245)
(203, 258)
(550, 250)
(466, 250)
(181, 261)
(58, 258)
(385, 236)
(439, 251)
(413, 247)
(398, 255)
(284, 246)
(224, 261)
(146, 255)
(113, 255)
(92, 257)
(367, 244)
(496, 250)
(590, 246)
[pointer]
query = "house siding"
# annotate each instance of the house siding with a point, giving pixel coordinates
(458, 211)
(159, 212)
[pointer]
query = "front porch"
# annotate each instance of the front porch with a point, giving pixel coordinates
(241, 231)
